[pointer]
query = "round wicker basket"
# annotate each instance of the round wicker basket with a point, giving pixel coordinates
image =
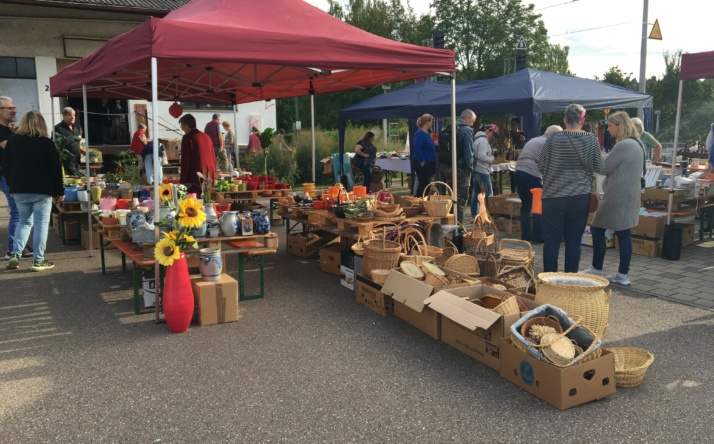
(631, 364)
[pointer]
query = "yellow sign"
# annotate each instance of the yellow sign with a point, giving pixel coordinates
(656, 33)
(606, 111)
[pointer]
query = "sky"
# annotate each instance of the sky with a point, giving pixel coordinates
(685, 24)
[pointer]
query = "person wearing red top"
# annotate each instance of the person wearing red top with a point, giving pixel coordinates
(197, 154)
(138, 142)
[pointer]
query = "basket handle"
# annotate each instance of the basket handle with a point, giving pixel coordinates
(410, 235)
(514, 241)
(576, 321)
(390, 196)
(433, 184)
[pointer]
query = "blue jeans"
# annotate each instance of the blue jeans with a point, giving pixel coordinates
(14, 215)
(478, 179)
(367, 173)
(34, 209)
(524, 183)
(624, 239)
(149, 165)
(564, 218)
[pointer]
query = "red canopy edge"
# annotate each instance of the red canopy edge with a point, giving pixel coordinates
(220, 51)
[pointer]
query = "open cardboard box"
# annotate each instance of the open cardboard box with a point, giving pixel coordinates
(409, 296)
(470, 328)
(560, 387)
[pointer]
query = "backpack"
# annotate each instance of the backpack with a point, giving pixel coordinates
(443, 149)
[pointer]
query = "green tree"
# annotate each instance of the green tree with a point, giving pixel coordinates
(553, 58)
(615, 76)
(484, 33)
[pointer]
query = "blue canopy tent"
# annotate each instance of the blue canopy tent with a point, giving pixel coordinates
(528, 92)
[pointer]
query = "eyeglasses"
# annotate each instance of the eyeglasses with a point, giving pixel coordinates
(11, 108)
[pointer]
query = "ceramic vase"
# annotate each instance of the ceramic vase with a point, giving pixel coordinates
(261, 222)
(229, 223)
(210, 264)
(178, 296)
(200, 231)
(210, 211)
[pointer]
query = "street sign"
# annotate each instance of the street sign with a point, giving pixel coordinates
(656, 33)
(521, 43)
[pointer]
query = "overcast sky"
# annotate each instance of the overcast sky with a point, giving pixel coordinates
(685, 24)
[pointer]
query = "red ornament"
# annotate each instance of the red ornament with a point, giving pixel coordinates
(178, 296)
(175, 110)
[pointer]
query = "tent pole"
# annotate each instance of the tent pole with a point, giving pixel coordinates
(157, 165)
(453, 144)
(312, 118)
(86, 163)
(235, 132)
(674, 153)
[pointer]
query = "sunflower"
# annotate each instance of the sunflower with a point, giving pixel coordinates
(166, 252)
(191, 213)
(165, 192)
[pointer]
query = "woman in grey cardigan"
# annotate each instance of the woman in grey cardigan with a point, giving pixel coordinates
(620, 205)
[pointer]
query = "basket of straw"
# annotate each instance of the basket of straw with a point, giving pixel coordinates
(631, 364)
(437, 205)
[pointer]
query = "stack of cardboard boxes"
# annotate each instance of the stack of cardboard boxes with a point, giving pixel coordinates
(647, 235)
(506, 212)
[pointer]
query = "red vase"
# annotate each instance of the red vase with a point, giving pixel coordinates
(178, 296)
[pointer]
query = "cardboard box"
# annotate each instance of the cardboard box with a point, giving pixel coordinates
(330, 259)
(562, 388)
(687, 234)
(327, 167)
(172, 147)
(348, 278)
(71, 227)
(505, 204)
(663, 194)
(409, 295)
(216, 301)
(85, 239)
(588, 238)
(503, 224)
(368, 294)
(516, 227)
(650, 225)
(307, 245)
(350, 260)
(643, 246)
(470, 328)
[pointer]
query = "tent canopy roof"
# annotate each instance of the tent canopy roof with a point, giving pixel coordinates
(528, 91)
(238, 51)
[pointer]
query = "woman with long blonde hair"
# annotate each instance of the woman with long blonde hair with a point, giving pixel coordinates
(34, 174)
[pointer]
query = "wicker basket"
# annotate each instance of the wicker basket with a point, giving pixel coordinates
(547, 321)
(435, 280)
(522, 254)
(446, 252)
(380, 254)
(412, 206)
(579, 295)
(437, 205)
(358, 247)
(463, 263)
(415, 248)
(631, 364)
(481, 232)
(519, 276)
(379, 276)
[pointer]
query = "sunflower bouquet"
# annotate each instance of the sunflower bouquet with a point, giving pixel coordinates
(190, 215)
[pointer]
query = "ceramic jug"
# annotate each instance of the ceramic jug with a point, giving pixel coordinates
(136, 219)
(210, 211)
(229, 223)
(210, 264)
(261, 222)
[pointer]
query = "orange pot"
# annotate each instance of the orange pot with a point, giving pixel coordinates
(537, 206)
(318, 204)
(360, 190)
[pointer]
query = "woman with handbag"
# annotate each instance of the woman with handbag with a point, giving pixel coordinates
(568, 161)
(424, 153)
(365, 156)
(619, 208)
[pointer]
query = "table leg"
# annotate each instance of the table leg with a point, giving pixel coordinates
(123, 262)
(242, 260)
(137, 282)
(101, 252)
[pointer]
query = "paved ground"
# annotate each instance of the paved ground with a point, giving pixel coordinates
(309, 364)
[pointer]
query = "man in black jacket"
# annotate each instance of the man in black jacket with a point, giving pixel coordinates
(464, 161)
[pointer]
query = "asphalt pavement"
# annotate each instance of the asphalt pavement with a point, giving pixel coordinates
(307, 364)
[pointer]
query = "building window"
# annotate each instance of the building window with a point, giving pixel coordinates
(206, 106)
(17, 68)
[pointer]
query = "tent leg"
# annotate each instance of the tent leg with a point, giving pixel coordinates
(674, 152)
(86, 163)
(312, 118)
(157, 165)
(453, 152)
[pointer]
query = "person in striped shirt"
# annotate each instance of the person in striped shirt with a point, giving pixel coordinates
(568, 161)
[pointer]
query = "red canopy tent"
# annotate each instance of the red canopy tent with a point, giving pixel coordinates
(238, 51)
(694, 66)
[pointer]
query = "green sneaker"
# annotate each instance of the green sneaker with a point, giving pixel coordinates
(14, 262)
(41, 266)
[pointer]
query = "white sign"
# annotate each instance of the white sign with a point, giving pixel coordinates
(521, 43)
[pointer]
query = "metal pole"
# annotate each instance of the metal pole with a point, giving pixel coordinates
(86, 163)
(453, 144)
(674, 153)
(312, 117)
(235, 132)
(157, 165)
(643, 58)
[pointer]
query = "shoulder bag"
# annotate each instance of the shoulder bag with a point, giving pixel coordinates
(594, 197)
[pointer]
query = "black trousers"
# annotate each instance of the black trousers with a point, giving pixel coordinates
(424, 175)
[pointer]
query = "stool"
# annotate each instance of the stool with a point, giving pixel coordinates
(706, 218)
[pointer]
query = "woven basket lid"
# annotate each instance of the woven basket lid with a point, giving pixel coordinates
(558, 348)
